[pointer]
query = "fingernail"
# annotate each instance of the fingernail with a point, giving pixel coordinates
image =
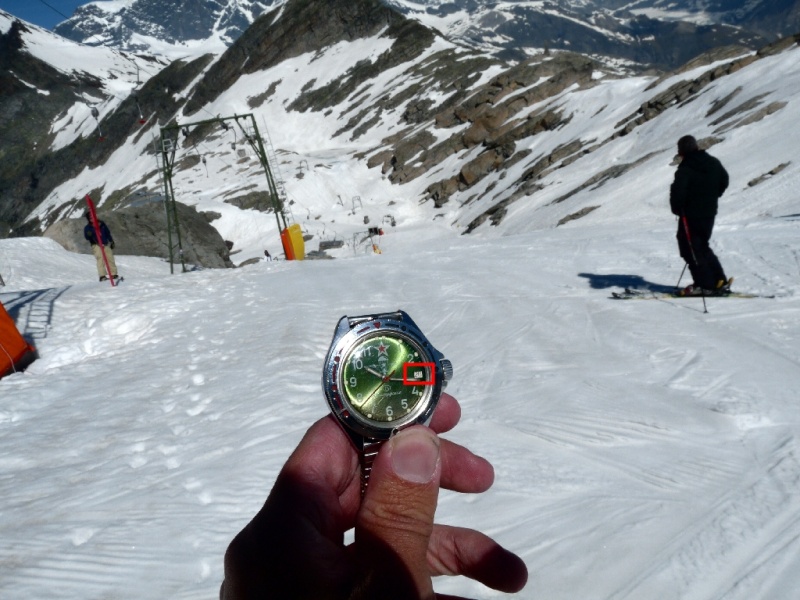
(415, 455)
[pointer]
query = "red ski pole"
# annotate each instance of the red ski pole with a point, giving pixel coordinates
(99, 237)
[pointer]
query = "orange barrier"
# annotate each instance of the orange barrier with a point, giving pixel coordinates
(293, 244)
(15, 352)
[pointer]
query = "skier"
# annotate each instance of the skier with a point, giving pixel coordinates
(693, 196)
(108, 243)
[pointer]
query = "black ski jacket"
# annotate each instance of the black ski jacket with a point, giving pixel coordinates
(91, 236)
(699, 182)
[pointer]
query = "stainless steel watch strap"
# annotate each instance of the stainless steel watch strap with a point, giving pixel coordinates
(397, 315)
(369, 451)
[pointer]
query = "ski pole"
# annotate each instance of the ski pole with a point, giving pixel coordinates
(98, 235)
(694, 258)
(678, 285)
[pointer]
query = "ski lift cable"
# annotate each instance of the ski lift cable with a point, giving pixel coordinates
(260, 226)
(201, 155)
(51, 7)
(210, 151)
(248, 135)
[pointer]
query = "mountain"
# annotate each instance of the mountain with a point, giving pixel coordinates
(650, 33)
(54, 94)
(374, 119)
(153, 25)
(772, 19)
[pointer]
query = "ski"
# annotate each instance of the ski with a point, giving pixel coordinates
(644, 294)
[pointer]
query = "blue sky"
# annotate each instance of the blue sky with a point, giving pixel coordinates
(45, 13)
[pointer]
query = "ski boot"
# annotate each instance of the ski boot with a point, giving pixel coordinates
(723, 287)
(691, 290)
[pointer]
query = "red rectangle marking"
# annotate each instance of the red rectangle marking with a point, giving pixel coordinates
(424, 365)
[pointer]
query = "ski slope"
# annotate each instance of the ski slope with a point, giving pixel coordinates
(643, 450)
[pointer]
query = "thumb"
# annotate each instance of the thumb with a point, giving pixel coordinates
(395, 522)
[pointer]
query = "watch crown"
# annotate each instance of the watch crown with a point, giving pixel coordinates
(447, 370)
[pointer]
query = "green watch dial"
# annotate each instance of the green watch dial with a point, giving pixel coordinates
(385, 377)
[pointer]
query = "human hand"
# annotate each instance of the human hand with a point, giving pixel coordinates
(294, 547)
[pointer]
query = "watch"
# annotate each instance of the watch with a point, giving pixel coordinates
(381, 375)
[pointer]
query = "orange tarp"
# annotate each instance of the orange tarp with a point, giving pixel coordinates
(15, 352)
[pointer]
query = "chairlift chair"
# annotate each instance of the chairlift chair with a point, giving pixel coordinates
(142, 120)
(96, 115)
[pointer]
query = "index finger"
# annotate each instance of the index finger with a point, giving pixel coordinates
(446, 415)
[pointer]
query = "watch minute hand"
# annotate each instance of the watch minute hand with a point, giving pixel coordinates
(375, 391)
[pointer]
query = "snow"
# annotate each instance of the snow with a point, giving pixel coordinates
(112, 6)
(120, 69)
(698, 17)
(643, 449)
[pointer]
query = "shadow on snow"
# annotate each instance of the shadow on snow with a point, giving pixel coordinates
(618, 280)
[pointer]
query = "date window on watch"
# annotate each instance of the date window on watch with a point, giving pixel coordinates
(414, 373)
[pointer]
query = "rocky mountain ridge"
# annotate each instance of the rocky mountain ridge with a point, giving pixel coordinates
(377, 119)
(652, 33)
(143, 25)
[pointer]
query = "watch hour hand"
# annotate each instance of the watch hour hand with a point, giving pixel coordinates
(372, 371)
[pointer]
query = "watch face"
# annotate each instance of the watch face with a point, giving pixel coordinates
(385, 377)
(381, 374)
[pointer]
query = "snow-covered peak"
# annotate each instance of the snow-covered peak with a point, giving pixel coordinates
(153, 25)
(126, 70)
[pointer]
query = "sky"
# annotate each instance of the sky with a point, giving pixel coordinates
(44, 13)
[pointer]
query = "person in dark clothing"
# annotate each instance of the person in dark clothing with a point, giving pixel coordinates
(694, 197)
(108, 243)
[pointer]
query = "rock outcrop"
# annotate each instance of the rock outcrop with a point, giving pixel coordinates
(142, 231)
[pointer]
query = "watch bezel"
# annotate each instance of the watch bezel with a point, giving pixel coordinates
(345, 339)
